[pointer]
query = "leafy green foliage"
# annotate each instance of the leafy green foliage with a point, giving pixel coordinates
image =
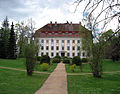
(45, 59)
(56, 60)
(38, 58)
(76, 60)
(66, 60)
(44, 66)
(30, 52)
(73, 67)
(84, 60)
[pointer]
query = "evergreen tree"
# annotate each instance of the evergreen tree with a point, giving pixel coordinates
(4, 36)
(12, 44)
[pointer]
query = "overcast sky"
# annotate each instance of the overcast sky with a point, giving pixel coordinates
(41, 11)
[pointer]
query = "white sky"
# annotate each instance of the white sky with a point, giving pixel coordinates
(41, 11)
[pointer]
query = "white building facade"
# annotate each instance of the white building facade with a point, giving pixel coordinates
(62, 42)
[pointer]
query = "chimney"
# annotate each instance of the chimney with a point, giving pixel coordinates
(79, 23)
(55, 23)
(50, 23)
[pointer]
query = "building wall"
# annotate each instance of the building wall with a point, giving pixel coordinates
(61, 42)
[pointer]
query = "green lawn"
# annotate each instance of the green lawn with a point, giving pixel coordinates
(108, 65)
(20, 64)
(17, 82)
(87, 84)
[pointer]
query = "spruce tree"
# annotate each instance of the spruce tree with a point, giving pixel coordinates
(4, 39)
(12, 44)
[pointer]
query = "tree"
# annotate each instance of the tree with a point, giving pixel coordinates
(30, 53)
(12, 44)
(104, 12)
(4, 36)
(24, 31)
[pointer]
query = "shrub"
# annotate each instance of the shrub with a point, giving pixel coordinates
(45, 59)
(66, 60)
(56, 60)
(30, 51)
(38, 58)
(73, 67)
(76, 60)
(84, 60)
(44, 66)
(57, 57)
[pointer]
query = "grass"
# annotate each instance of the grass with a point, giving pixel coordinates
(20, 64)
(17, 82)
(108, 65)
(87, 84)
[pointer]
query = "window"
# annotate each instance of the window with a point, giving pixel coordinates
(52, 48)
(78, 54)
(52, 40)
(73, 54)
(42, 41)
(47, 41)
(57, 48)
(52, 54)
(57, 54)
(68, 54)
(57, 41)
(62, 48)
(68, 41)
(73, 48)
(47, 53)
(68, 48)
(62, 41)
(73, 41)
(78, 48)
(47, 48)
(83, 54)
(42, 48)
(41, 54)
(78, 41)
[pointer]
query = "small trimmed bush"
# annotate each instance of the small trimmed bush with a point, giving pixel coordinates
(45, 59)
(84, 60)
(38, 58)
(56, 60)
(66, 60)
(57, 57)
(44, 66)
(76, 60)
(73, 67)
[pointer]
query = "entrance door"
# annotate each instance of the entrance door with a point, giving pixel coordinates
(62, 54)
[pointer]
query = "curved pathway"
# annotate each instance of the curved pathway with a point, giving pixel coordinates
(56, 82)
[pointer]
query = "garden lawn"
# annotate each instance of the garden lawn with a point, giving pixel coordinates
(19, 63)
(17, 82)
(87, 84)
(108, 66)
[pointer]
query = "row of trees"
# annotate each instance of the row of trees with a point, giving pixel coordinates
(14, 40)
(7, 41)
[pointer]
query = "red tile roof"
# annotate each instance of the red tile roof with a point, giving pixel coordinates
(61, 30)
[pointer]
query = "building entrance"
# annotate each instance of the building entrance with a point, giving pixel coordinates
(62, 54)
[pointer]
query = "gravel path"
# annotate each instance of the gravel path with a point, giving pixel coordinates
(56, 82)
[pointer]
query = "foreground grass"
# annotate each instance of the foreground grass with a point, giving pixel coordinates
(108, 66)
(17, 82)
(19, 63)
(87, 84)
